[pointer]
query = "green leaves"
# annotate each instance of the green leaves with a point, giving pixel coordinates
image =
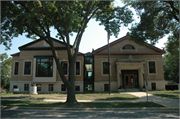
(35, 17)
(171, 67)
(156, 17)
(5, 70)
(113, 18)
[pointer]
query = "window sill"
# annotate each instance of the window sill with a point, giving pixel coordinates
(152, 74)
(26, 75)
(105, 75)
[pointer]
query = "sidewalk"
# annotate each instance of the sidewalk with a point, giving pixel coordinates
(142, 98)
(167, 102)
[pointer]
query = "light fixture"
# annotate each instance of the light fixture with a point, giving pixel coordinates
(143, 72)
(120, 73)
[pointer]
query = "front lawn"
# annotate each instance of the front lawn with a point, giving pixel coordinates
(90, 96)
(79, 105)
(166, 94)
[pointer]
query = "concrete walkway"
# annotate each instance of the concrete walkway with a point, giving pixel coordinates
(167, 102)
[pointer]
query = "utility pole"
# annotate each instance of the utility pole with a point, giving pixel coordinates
(109, 62)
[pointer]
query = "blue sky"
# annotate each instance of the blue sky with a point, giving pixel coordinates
(94, 37)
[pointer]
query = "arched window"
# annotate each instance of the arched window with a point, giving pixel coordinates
(129, 47)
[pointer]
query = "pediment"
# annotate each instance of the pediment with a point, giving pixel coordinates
(126, 46)
(41, 44)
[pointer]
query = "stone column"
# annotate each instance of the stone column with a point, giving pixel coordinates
(118, 78)
(141, 77)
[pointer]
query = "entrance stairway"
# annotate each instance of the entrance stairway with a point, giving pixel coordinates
(132, 90)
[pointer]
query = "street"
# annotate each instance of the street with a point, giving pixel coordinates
(95, 113)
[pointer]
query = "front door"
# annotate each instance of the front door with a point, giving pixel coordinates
(129, 80)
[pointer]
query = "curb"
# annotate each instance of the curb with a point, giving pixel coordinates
(86, 109)
(169, 108)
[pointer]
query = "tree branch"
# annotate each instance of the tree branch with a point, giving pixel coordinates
(68, 42)
(48, 33)
(80, 33)
(36, 19)
(175, 11)
(59, 67)
(60, 33)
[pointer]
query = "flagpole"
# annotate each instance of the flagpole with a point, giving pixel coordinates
(109, 64)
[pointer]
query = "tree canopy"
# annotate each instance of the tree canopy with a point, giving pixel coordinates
(5, 71)
(67, 17)
(157, 18)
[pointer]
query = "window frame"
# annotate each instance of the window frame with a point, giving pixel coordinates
(38, 87)
(102, 73)
(67, 66)
(63, 87)
(79, 68)
(25, 87)
(30, 68)
(50, 88)
(149, 67)
(124, 47)
(77, 88)
(14, 86)
(40, 63)
(17, 69)
(106, 87)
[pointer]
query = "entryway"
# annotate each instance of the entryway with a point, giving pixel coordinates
(129, 80)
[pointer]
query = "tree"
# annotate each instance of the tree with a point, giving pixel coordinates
(157, 18)
(68, 18)
(5, 71)
(171, 67)
(171, 59)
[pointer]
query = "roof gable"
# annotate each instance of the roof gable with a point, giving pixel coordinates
(116, 48)
(40, 44)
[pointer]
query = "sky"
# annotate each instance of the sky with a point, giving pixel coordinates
(94, 37)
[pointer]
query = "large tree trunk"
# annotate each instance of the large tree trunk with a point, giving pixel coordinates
(71, 89)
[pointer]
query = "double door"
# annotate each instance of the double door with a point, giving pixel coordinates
(129, 80)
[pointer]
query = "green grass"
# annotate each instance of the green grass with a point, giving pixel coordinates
(166, 94)
(79, 105)
(90, 96)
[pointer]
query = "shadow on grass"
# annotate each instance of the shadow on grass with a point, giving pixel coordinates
(168, 96)
(79, 105)
(117, 98)
(21, 97)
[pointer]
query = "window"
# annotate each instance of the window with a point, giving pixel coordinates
(128, 47)
(63, 87)
(44, 67)
(15, 86)
(153, 86)
(38, 87)
(105, 68)
(152, 67)
(27, 68)
(77, 68)
(64, 65)
(106, 87)
(50, 87)
(26, 87)
(77, 88)
(16, 67)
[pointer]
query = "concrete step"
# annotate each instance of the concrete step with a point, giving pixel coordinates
(132, 90)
